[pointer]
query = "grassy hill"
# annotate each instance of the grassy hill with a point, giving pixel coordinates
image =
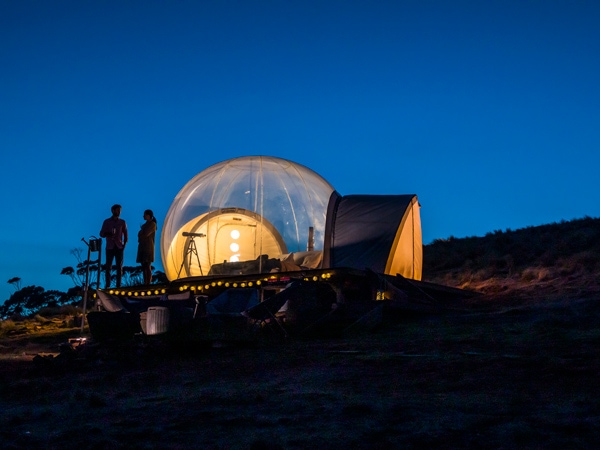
(554, 260)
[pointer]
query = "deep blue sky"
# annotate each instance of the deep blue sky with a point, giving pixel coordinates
(488, 111)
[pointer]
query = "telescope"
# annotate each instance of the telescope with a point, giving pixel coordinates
(187, 234)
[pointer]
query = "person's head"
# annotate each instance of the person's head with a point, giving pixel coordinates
(149, 215)
(116, 210)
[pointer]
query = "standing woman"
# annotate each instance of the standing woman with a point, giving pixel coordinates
(145, 254)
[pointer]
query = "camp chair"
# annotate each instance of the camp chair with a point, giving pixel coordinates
(264, 314)
(110, 303)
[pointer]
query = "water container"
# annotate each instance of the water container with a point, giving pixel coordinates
(157, 320)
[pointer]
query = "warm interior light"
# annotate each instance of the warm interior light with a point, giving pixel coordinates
(235, 234)
(234, 247)
(234, 258)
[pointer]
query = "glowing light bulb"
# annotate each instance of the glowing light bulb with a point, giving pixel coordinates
(234, 247)
(235, 234)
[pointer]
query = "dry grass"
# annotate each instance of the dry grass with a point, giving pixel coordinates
(27, 337)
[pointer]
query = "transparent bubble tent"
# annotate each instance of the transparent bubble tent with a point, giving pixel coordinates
(240, 209)
(263, 214)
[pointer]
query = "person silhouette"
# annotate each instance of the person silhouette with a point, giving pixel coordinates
(114, 230)
(145, 253)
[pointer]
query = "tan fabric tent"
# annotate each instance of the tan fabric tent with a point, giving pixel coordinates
(378, 232)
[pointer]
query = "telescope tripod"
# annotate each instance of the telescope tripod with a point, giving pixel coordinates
(190, 251)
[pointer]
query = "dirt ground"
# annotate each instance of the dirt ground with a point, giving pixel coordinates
(484, 377)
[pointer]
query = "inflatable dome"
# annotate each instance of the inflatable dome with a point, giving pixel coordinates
(242, 213)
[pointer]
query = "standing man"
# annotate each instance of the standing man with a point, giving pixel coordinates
(114, 229)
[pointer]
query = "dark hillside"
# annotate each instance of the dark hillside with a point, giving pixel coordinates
(547, 260)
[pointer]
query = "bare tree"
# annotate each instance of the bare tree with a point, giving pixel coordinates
(78, 273)
(16, 282)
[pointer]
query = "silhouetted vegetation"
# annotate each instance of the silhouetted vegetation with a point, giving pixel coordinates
(562, 251)
(30, 300)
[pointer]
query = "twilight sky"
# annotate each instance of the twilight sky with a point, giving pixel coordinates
(488, 111)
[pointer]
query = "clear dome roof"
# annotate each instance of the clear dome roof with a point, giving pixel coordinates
(242, 208)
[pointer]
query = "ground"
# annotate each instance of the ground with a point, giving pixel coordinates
(488, 374)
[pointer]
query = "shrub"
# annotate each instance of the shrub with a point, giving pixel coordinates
(6, 326)
(530, 274)
(40, 319)
(57, 311)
